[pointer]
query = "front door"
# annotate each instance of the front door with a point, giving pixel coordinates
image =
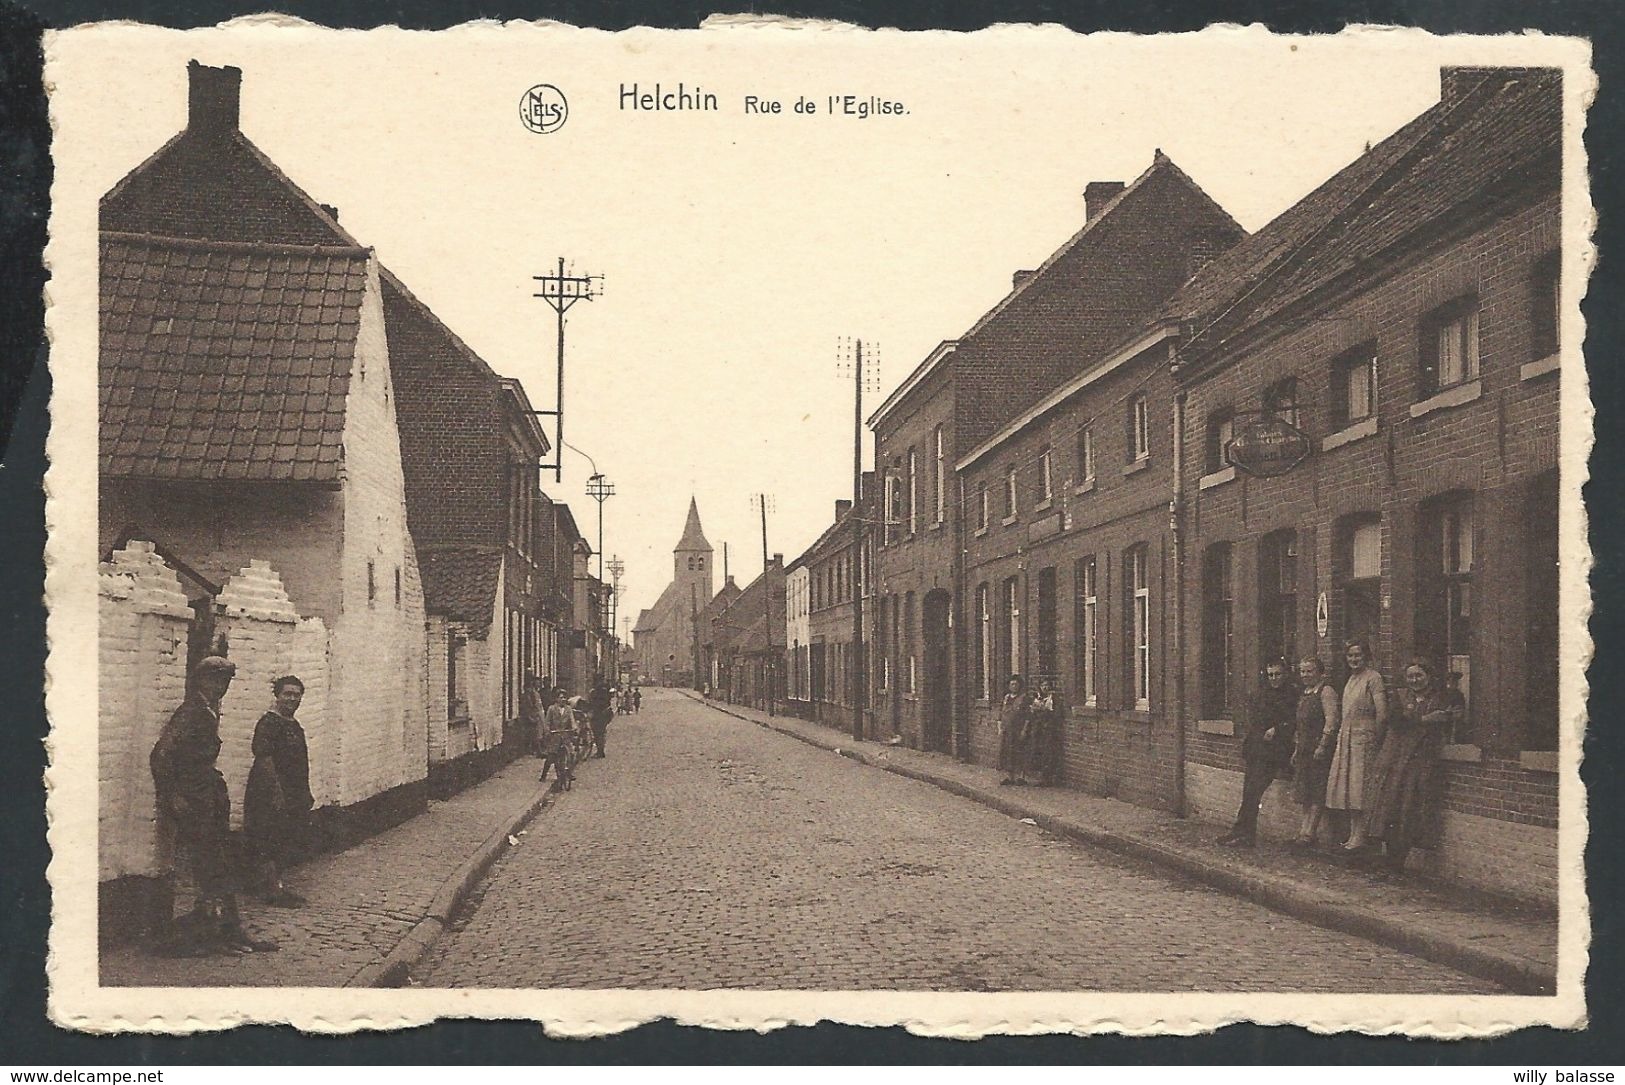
(937, 702)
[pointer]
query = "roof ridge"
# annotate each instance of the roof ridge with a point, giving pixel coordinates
(198, 244)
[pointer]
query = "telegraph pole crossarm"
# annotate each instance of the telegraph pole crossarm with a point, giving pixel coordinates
(561, 290)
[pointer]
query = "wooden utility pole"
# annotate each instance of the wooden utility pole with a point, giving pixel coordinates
(767, 610)
(859, 686)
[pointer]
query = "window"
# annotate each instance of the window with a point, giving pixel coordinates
(1010, 493)
(893, 512)
(1046, 623)
(1086, 456)
(1139, 429)
(455, 708)
(1278, 597)
(913, 494)
(1540, 682)
(1086, 587)
(1138, 625)
(1218, 631)
(1360, 569)
(1444, 595)
(1354, 386)
(1281, 400)
(984, 644)
(942, 477)
(1547, 315)
(908, 643)
(1010, 628)
(1046, 478)
(1221, 427)
(981, 507)
(1450, 345)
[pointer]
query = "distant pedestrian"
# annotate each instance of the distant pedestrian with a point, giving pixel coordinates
(532, 714)
(1403, 797)
(1266, 746)
(1364, 715)
(1044, 730)
(1013, 719)
(1319, 715)
(194, 806)
(600, 711)
(277, 800)
(637, 699)
(558, 742)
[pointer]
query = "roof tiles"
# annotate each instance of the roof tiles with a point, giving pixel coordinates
(226, 360)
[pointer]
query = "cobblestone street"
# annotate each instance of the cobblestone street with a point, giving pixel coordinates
(705, 851)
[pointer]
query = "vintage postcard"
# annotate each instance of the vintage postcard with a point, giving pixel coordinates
(1005, 532)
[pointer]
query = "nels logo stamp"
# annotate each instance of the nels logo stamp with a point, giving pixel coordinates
(543, 108)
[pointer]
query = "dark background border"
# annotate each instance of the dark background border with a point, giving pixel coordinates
(28, 1036)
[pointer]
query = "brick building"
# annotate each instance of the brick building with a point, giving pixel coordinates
(747, 640)
(714, 636)
(1404, 316)
(820, 663)
(972, 430)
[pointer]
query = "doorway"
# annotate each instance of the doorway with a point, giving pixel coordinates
(937, 702)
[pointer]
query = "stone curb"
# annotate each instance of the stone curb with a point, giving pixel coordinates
(392, 969)
(1332, 910)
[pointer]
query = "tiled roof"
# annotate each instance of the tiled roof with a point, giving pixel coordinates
(461, 583)
(1490, 140)
(224, 360)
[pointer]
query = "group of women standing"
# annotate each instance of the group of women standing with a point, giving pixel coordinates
(1372, 757)
(1030, 733)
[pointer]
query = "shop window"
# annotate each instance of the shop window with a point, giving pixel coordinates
(1281, 400)
(1449, 346)
(1137, 625)
(1278, 597)
(1139, 429)
(1540, 684)
(1444, 592)
(1547, 314)
(1221, 427)
(1218, 631)
(1354, 386)
(1086, 606)
(1010, 627)
(1086, 455)
(1046, 478)
(1360, 570)
(1046, 623)
(984, 643)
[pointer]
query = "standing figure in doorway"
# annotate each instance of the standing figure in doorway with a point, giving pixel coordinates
(1044, 728)
(1267, 745)
(1365, 714)
(195, 807)
(277, 801)
(1013, 720)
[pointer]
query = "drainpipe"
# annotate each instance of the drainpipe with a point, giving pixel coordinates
(1176, 532)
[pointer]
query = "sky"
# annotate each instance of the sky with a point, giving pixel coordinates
(737, 250)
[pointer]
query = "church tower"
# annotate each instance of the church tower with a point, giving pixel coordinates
(691, 560)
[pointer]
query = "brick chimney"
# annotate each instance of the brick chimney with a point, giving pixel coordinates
(842, 507)
(213, 99)
(1096, 195)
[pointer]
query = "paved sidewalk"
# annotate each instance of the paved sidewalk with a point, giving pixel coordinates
(363, 901)
(1512, 944)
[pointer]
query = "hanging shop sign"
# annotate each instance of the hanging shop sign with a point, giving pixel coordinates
(1265, 445)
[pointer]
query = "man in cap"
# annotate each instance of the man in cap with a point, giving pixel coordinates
(194, 805)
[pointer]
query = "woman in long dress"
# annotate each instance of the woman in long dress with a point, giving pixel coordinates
(1319, 719)
(1403, 791)
(277, 800)
(1365, 713)
(1044, 734)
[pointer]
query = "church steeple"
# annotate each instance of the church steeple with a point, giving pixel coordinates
(691, 557)
(693, 537)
